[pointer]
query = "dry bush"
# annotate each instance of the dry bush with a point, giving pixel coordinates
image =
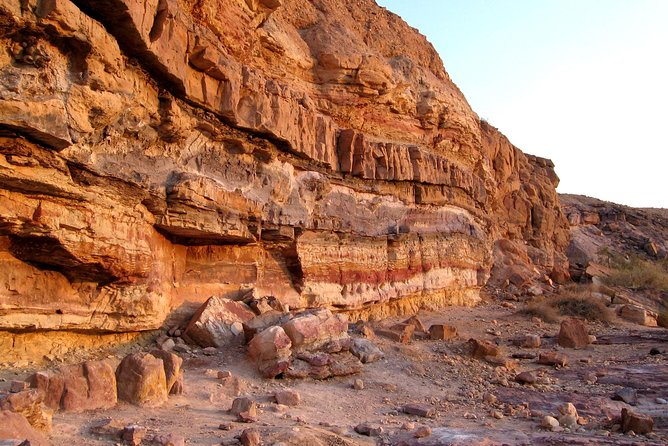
(582, 306)
(541, 310)
(636, 273)
(581, 301)
(662, 320)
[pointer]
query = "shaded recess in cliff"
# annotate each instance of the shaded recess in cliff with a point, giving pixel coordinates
(161, 152)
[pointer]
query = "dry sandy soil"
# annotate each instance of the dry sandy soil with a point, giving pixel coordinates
(439, 373)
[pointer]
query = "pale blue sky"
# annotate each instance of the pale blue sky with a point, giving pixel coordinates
(583, 82)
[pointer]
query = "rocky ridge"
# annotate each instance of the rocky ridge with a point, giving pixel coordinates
(154, 154)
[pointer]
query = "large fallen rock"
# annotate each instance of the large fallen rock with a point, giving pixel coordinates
(270, 350)
(77, 388)
(173, 374)
(638, 315)
(218, 322)
(573, 333)
(14, 426)
(142, 380)
(323, 365)
(318, 330)
(30, 404)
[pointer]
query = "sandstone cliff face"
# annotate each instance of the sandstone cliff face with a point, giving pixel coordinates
(156, 153)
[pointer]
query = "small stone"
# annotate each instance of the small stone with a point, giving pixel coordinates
(661, 401)
(365, 350)
(358, 384)
(369, 430)
(133, 434)
(168, 440)
(592, 339)
(408, 426)
(489, 398)
(108, 428)
(568, 420)
(554, 359)
(590, 378)
(628, 395)
(568, 409)
(288, 397)
(422, 432)
(181, 348)
(225, 427)
(526, 378)
(210, 351)
(549, 422)
(496, 414)
(224, 374)
(531, 341)
(250, 437)
(244, 404)
(247, 417)
(421, 410)
(167, 344)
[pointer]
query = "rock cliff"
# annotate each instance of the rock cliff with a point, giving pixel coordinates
(155, 153)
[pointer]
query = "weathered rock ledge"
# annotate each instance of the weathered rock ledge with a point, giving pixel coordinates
(156, 153)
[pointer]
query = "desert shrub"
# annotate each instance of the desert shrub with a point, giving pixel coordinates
(582, 306)
(581, 301)
(662, 320)
(541, 310)
(636, 273)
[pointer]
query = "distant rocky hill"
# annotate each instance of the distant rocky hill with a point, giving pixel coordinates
(156, 153)
(599, 228)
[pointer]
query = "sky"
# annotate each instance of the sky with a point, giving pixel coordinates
(582, 82)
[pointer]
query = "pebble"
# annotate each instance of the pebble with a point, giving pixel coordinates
(422, 432)
(661, 401)
(549, 422)
(489, 398)
(358, 384)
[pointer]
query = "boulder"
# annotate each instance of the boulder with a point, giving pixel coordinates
(30, 404)
(636, 422)
(288, 397)
(270, 349)
(218, 322)
(173, 373)
(442, 332)
(638, 315)
(78, 388)
(554, 359)
(141, 380)
(318, 330)
(324, 365)
(573, 334)
(14, 426)
(481, 348)
(264, 321)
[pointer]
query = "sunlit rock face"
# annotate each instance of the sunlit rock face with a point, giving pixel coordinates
(156, 153)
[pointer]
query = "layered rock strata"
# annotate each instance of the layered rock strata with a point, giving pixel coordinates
(154, 154)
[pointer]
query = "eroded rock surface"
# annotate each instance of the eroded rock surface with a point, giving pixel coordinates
(154, 154)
